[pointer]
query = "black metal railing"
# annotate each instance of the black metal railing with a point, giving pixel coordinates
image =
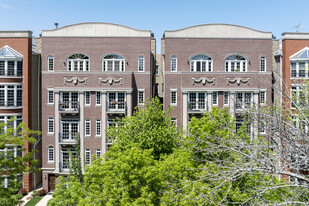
(68, 137)
(68, 106)
(197, 106)
(12, 103)
(113, 106)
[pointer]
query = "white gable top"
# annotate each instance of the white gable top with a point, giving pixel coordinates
(7, 52)
(301, 55)
(218, 31)
(96, 29)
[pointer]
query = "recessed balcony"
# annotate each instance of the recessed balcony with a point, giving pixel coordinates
(70, 107)
(196, 107)
(11, 103)
(116, 107)
(68, 137)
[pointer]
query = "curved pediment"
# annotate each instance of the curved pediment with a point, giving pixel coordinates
(96, 29)
(218, 31)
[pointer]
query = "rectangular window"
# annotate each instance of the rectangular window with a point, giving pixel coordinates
(261, 127)
(173, 97)
(226, 98)
(50, 154)
(141, 63)
(263, 64)
(243, 100)
(98, 127)
(293, 69)
(50, 125)
(87, 98)
(50, 97)
(215, 98)
(87, 156)
(141, 96)
(197, 101)
(157, 70)
(50, 65)
(174, 120)
(98, 152)
(98, 98)
(262, 97)
(173, 63)
(302, 69)
(87, 127)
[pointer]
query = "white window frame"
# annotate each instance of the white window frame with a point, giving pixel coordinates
(80, 60)
(50, 63)
(262, 59)
(215, 98)
(113, 58)
(87, 98)
(16, 67)
(98, 98)
(141, 63)
(98, 153)
(261, 97)
(139, 91)
(51, 154)
(98, 127)
(197, 102)
(17, 95)
(234, 62)
(243, 99)
(173, 91)
(226, 98)
(297, 69)
(50, 98)
(173, 63)
(87, 127)
(201, 60)
(50, 125)
(174, 120)
(157, 70)
(298, 89)
(87, 156)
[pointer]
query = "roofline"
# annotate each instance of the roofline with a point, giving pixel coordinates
(16, 34)
(95, 23)
(198, 25)
(295, 35)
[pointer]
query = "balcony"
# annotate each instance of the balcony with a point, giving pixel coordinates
(197, 107)
(116, 107)
(70, 107)
(64, 167)
(18, 103)
(68, 138)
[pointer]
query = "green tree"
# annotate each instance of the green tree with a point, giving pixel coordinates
(133, 171)
(12, 163)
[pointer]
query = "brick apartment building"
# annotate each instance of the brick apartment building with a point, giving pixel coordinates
(18, 97)
(216, 65)
(92, 73)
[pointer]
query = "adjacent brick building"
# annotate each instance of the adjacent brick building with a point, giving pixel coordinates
(216, 65)
(92, 73)
(18, 98)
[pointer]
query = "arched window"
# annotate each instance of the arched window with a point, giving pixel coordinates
(263, 64)
(78, 62)
(201, 63)
(50, 63)
(50, 154)
(235, 63)
(174, 64)
(113, 62)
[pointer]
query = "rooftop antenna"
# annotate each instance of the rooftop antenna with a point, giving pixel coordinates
(56, 25)
(297, 27)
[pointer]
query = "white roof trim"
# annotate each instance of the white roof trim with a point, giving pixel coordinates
(297, 55)
(96, 29)
(218, 31)
(7, 52)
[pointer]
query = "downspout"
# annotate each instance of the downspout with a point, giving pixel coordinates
(39, 121)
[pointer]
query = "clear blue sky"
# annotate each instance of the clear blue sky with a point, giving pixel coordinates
(267, 15)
